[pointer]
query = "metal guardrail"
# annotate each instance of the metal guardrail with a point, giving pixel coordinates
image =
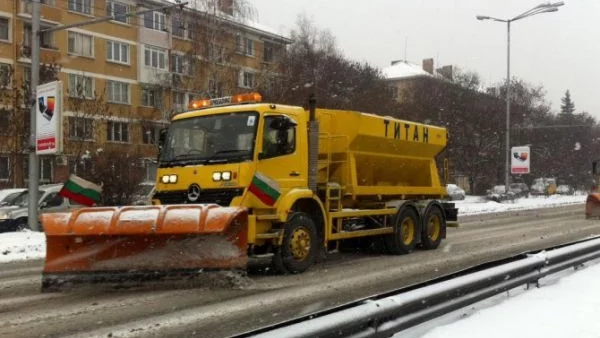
(387, 314)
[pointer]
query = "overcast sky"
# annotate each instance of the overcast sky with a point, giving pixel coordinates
(557, 50)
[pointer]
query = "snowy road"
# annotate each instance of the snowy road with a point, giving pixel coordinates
(263, 299)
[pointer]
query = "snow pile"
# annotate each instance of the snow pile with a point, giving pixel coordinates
(558, 310)
(478, 205)
(16, 246)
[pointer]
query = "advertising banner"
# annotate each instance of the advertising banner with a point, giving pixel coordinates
(48, 131)
(520, 160)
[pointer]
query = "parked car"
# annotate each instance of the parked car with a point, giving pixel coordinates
(565, 189)
(543, 186)
(519, 189)
(143, 194)
(499, 194)
(7, 196)
(14, 217)
(455, 193)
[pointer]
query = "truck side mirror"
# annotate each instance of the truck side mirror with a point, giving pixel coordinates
(595, 168)
(162, 136)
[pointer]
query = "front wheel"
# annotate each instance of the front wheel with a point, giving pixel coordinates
(299, 247)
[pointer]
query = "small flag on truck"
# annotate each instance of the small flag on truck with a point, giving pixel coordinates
(81, 191)
(265, 189)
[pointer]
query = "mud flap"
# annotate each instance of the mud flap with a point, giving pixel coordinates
(142, 243)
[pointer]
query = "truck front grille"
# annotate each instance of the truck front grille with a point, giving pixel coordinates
(221, 197)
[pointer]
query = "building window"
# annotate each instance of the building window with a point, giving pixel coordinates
(179, 101)
(46, 169)
(46, 38)
(177, 26)
(150, 97)
(247, 80)
(81, 44)
(81, 86)
(150, 133)
(81, 128)
(5, 75)
(4, 168)
(81, 6)
(215, 88)
(154, 20)
(268, 53)
(118, 9)
(117, 52)
(117, 92)
(5, 118)
(4, 26)
(117, 131)
(179, 64)
(244, 45)
(155, 58)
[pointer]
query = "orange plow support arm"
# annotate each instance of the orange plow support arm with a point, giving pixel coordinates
(592, 205)
(111, 244)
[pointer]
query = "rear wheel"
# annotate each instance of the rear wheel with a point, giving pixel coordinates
(431, 236)
(404, 237)
(299, 247)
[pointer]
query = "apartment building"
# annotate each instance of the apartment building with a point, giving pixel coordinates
(124, 78)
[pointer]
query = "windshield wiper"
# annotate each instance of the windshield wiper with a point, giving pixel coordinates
(212, 159)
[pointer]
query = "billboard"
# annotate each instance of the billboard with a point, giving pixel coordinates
(520, 160)
(48, 129)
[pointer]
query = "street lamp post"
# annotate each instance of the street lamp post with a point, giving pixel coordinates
(541, 8)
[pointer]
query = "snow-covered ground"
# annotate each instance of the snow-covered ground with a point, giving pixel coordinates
(565, 307)
(31, 245)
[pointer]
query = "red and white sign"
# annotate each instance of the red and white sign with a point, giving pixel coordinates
(48, 126)
(520, 160)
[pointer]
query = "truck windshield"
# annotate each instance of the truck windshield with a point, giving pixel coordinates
(210, 139)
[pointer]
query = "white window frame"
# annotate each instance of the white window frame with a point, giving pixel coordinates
(81, 6)
(245, 75)
(43, 39)
(154, 130)
(7, 178)
(111, 128)
(76, 80)
(149, 97)
(183, 27)
(121, 48)
(8, 29)
(77, 46)
(152, 57)
(180, 64)
(244, 45)
(110, 10)
(122, 87)
(159, 21)
(88, 128)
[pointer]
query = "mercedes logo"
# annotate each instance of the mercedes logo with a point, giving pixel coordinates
(193, 192)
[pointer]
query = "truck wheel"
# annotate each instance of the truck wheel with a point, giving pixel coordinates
(299, 248)
(404, 238)
(431, 236)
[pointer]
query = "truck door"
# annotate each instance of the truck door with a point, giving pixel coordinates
(281, 158)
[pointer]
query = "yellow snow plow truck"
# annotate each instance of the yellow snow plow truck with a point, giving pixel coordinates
(237, 178)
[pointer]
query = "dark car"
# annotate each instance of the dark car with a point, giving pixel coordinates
(499, 194)
(519, 189)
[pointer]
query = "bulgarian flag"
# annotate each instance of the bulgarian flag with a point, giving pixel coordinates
(265, 189)
(81, 191)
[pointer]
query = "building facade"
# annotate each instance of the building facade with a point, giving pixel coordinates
(124, 78)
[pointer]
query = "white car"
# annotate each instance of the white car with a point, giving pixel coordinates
(14, 217)
(8, 195)
(455, 192)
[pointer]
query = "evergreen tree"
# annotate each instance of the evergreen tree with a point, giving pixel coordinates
(567, 106)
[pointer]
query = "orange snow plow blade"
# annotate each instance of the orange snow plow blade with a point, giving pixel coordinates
(592, 205)
(121, 246)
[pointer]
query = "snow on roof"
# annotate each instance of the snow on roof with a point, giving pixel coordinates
(201, 6)
(403, 69)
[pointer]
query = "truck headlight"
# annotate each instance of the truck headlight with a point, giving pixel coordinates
(216, 176)
(226, 176)
(165, 179)
(172, 178)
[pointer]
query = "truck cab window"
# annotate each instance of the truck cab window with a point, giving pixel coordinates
(279, 137)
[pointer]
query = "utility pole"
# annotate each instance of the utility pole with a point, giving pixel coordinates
(34, 167)
(34, 175)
